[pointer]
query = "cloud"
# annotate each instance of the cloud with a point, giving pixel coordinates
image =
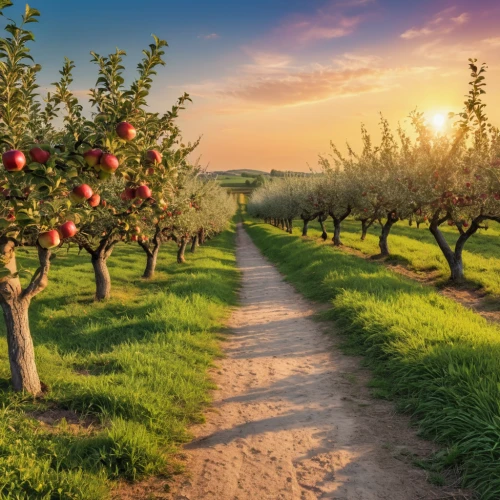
(442, 23)
(211, 36)
(291, 86)
(492, 42)
(322, 26)
(335, 19)
(438, 50)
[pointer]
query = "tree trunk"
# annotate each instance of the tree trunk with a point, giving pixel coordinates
(21, 351)
(15, 306)
(365, 225)
(290, 226)
(305, 227)
(151, 258)
(337, 221)
(194, 243)
(364, 228)
(336, 232)
(454, 257)
(386, 229)
(201, 236)
(102, 277)
(321, 221)
(180, 253)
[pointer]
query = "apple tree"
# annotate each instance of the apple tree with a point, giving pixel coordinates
(455, 180)
(45, 192)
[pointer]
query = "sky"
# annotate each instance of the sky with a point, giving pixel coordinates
(274, 81)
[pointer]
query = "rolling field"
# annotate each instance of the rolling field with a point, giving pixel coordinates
(437, 360)
(125, 377)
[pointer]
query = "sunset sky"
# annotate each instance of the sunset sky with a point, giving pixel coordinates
(273, 81)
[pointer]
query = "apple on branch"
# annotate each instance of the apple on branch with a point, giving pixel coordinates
(49, 239)
(125, 131)
(39, 155)
(13, 160)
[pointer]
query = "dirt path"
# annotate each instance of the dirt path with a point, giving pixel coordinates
(292, 418)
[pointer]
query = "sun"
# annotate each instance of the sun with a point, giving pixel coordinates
(438, 120)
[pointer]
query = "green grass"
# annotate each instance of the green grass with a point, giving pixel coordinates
(438, 360)
(235, 181)
(417, 249)
(136, 367)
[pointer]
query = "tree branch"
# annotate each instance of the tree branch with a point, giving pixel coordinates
(41, 277)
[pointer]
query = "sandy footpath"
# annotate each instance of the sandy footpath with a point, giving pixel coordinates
(292, 418)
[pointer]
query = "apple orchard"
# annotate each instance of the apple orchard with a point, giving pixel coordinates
(120, 176)
(423, 177)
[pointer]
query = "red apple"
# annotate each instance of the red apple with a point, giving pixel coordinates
(128, 194)
(136, 229)
(49, 239)
(81, 193)
(134, 237)
(94, 200)
(39, 155)
(13, 160)
(68, 229)
(153, 156)
(143, 192)
(109, 163)
(92, 157)
(11, 216)
(125, 131)
(150, 171)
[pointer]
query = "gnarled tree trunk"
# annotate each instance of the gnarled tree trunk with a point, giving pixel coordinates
(365, 225)
(321, 220)
(194, 243)
(182, 249)
(454, 257)
(99, 258)
(201, 236)
(337, 221)
(305, 227)
(102, 277)
(151, 254)
(15, 304)
(386, 229)
(290, 225)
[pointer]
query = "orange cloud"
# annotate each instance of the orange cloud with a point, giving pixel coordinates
(438, 50)
(291, 86)
(442, 23)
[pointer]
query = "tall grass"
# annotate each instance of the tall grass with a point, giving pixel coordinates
(135, 368)
(438, 360)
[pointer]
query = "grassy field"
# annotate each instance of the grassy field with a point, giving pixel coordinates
(128, 375)
(439, 361)
(417, 249)
(234, 181)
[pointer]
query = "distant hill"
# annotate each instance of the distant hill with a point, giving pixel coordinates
(247, 171)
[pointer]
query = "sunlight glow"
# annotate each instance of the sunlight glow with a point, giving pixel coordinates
(438, 120)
